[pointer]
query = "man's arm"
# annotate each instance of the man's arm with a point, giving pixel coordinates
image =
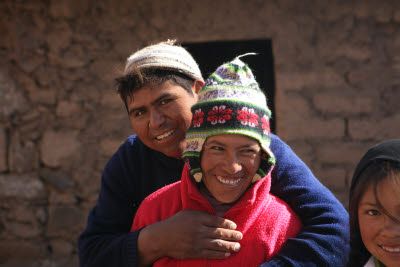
(107, 240)
(324, 238)
(188, 234)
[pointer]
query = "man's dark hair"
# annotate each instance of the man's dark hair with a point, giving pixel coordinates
(136, 79)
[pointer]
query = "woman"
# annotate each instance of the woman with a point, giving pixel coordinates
(228, 170)
(375, 207)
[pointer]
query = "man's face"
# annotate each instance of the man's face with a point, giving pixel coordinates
(379, 232)
(229, 163)
(160, 115)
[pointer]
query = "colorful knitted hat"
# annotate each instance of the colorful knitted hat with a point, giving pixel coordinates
(230, 102)
(164, 55)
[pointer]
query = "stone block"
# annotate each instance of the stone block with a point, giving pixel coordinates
(389, 101)
(11, 99)
(111, 100)
(61, 247)
(17, 250)
(3, 150)
(62, 198)
(67, 109)
(361, 11)
(71, 219)
(335, 103)
(28, 83)
(23, 213)
(67, 9)
(303, 128)
(383, 13)
(341, 152)
(48, 77)
(58, 179)
(30, 61)
(375, 128)
(21, 187)
(67, 61)
(303, 150)
(333, 178)
(22, 157)
(357, 77)
(24, 230)
(109, 146)
(353, 52)
(396, 15)
(57, 146)
(41, 215)
(88, 183)
(44, 97)
(56, 41)
(298, 122)
(313, 78)
(106, 69)
(291, 105)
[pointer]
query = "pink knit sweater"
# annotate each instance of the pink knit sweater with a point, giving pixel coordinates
(265, 221)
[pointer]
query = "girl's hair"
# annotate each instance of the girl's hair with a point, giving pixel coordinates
(377, 171)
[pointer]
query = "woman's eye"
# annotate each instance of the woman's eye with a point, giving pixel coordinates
(372, 212)
(218, 148)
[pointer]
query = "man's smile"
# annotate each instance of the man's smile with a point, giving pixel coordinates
(164, 136)
(228, 181)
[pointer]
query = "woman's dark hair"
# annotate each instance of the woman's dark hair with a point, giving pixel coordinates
(136, 79)
(376, 172)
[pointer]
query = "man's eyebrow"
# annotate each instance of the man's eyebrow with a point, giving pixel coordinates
(161, 97)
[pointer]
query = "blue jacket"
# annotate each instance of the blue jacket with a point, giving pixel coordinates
(135, 171)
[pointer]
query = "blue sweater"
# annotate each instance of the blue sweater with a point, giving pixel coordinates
(135, 171)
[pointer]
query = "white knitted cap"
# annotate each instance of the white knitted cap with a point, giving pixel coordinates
(164, 55)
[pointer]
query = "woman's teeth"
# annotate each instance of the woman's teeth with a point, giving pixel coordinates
(228, 181)
(391, 249)
(163, 136)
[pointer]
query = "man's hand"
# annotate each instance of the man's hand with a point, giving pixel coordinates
(186, 235)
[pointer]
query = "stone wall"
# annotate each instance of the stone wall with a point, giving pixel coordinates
(337, 69)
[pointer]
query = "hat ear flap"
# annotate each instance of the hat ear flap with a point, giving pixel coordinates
(256, 178)
(193, 163)
(198, 176)
(266, 165)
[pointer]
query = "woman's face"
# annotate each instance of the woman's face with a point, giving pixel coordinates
(379, 232)
(229, 163)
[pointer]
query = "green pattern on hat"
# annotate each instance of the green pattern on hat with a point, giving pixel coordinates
(230, 102)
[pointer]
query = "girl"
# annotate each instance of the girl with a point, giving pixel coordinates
(375, 207)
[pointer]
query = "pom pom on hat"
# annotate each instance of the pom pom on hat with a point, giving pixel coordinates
(164, 55)
(230, 102)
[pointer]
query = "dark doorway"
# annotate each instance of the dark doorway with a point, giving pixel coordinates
(210, 55)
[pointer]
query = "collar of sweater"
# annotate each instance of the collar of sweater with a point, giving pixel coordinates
(193, 199)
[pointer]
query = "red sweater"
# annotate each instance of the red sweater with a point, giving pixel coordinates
(265, 221)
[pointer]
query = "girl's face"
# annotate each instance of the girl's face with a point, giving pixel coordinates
(379, 232)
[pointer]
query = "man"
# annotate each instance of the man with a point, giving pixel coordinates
(159, 87)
